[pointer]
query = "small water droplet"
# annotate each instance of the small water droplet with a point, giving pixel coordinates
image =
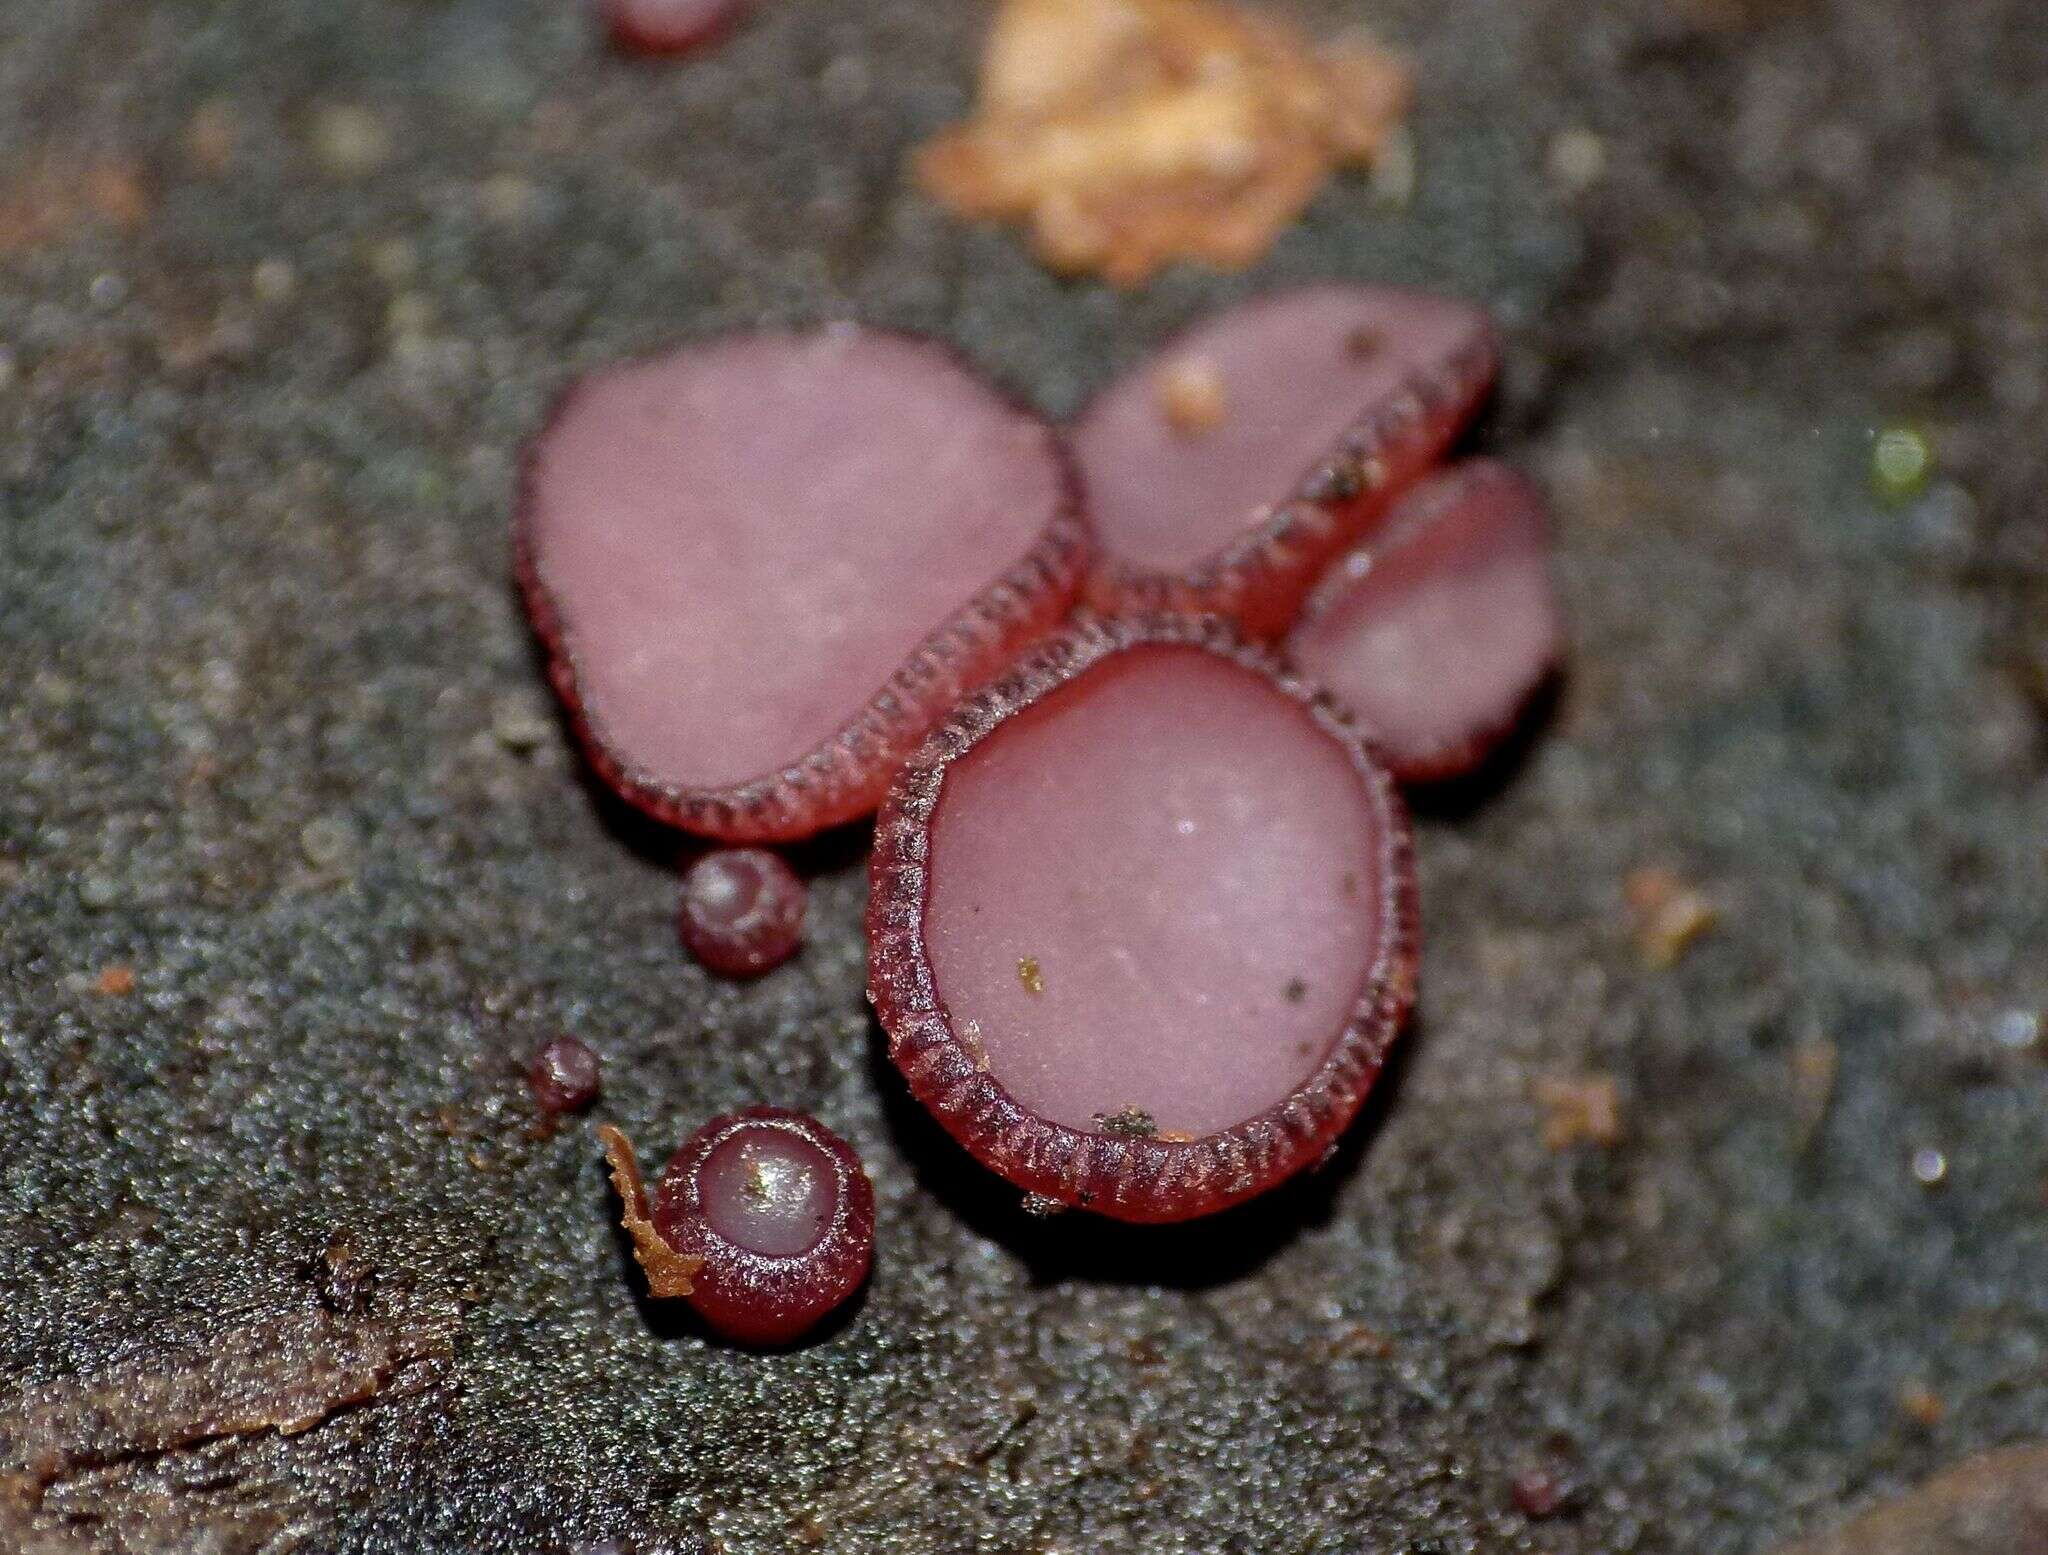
(2017, 1029)
(328, 841)
(518, 722)
(273, 279)
(1900, 462)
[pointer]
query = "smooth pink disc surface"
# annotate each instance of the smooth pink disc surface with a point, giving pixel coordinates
(743, 539)
(1436, 632)
(1295, 370)
(769, 1191)
(1157, 889)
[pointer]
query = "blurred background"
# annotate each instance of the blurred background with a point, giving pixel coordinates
(1722, 1236)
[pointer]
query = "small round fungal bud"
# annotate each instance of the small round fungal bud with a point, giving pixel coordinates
(564, 1076)
(1548, 1481)
(742, 912)
(780, 1217)
(667, 26)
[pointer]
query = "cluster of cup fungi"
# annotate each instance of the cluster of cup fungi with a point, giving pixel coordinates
(1132, 701)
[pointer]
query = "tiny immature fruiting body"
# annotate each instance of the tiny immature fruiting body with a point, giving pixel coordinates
(1226, 473)
(764, 1221)
(1439, 629)
(564, 1076)
(1210, 878)
(668, 26)
(742, 911)
(764, 564)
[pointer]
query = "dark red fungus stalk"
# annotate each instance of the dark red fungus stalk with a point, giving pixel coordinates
(1142, 921)
(564, 1076)
(1227, 471)
(764, 565)
(764, 1221)
(1438, 630)
(668, 26)
(742, 911)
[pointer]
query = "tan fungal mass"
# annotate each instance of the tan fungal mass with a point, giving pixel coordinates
(669, 1273)
(1126, 134)
(1192, 395)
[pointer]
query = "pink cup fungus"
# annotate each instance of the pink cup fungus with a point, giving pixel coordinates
(764, 1221)
(1142, 921)
(764, 565)
(1224, 473)
(742, 911)
(668, 26)
(1438, 630)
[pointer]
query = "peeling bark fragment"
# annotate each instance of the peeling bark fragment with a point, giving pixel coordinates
(1992, 1504)
(284, 1373)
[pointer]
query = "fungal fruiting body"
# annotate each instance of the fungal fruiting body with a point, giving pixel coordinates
(1142, 921)
(765, 564)
(781, 1213)
(742, 911)
(1438, 630)
(564, 1076)
(668, 26)
(764, 1222)
(1226, 472)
